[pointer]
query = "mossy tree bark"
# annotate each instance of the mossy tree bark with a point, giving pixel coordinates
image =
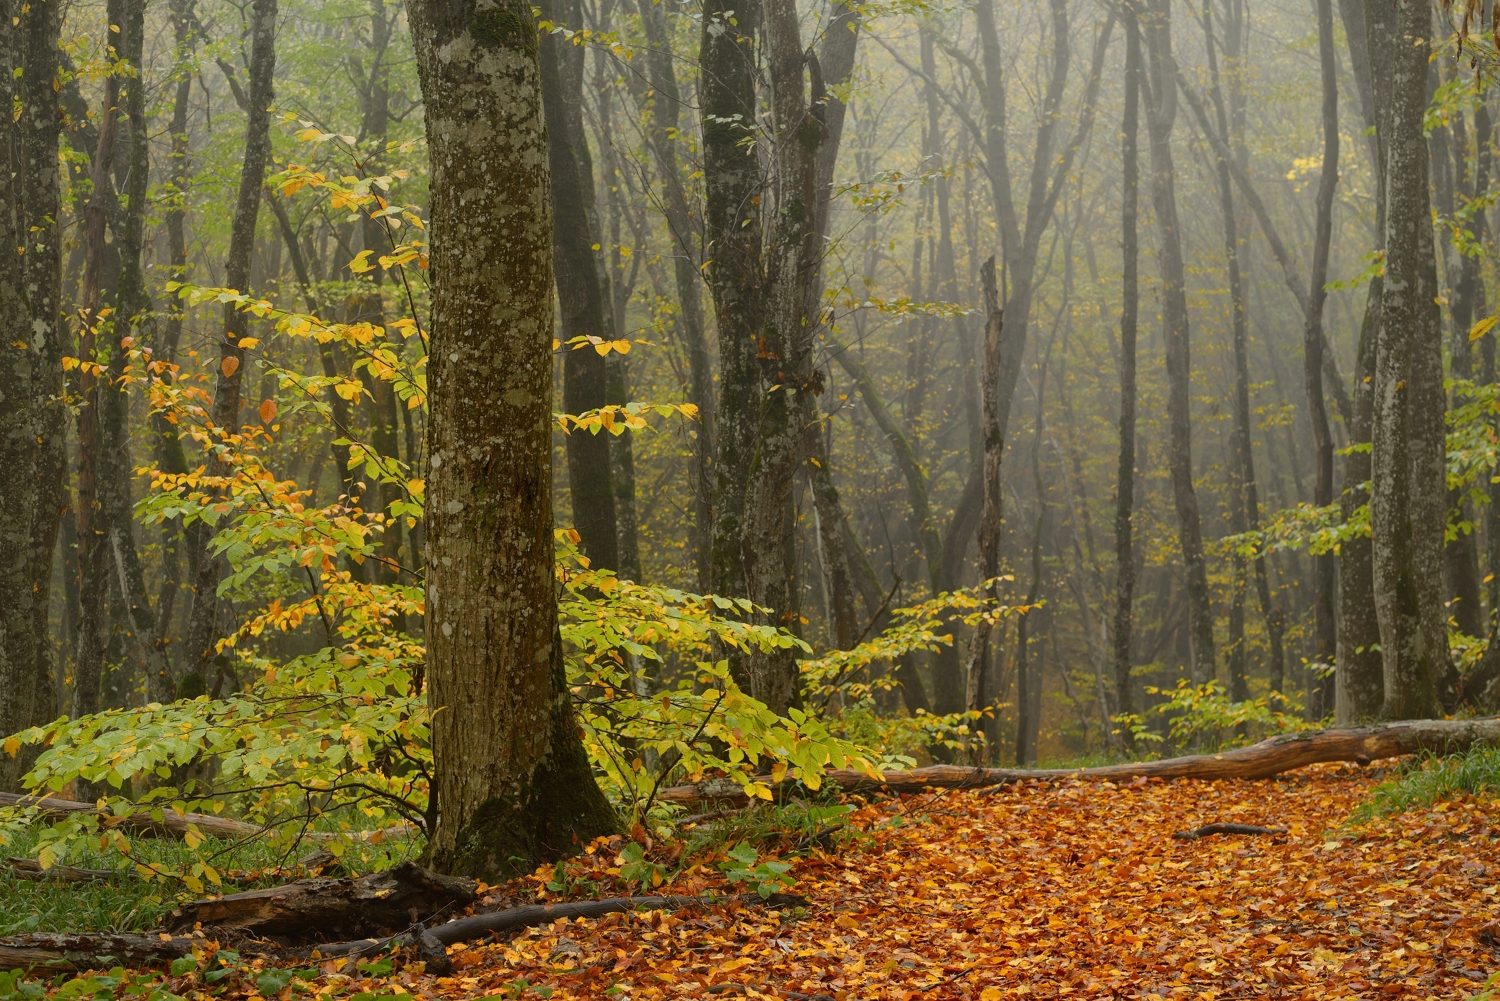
(1408, 506)
(513, 783)
(32, 461)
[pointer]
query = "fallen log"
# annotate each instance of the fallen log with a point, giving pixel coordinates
(1271, 756)
(431, 942)
(64, 952)
(325, 908)
(30, 868)
(171, 823)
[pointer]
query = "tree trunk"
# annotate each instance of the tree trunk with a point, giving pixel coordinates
(1161, 111)
(1029, 681)
(732, 238)
(1129, 314)
(785, 351)
(991, 523)
(32, 424)
(1408, 506)
(513, 783)
(94, 467)
(202, 630)
(1325, 626)
(662, 76)
(585, 382)
(1360, 689)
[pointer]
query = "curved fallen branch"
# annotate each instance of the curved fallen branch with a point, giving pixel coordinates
(1270, 757)
(1210, 829)
(430, 942)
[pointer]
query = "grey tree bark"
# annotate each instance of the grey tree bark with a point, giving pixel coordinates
(1360, 682)
(1161, 111)
(513, 783)
(1408, 505)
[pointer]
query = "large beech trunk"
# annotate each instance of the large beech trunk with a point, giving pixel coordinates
(513, 783)
(1271, 756)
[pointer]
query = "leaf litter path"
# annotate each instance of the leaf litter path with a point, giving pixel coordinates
(1070, 890)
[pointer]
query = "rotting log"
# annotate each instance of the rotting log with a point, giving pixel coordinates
(28, 868)
(171, 824)
(321, 908)
(70, 952)
(1271, 756)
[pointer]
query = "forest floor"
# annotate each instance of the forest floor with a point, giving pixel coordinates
(1047, 890)
(1068, 890)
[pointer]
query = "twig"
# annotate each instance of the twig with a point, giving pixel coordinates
(1209, 829)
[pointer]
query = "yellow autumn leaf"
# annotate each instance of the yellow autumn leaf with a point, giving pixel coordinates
(192, 838)
(12, 746)
(1482, 327)
(416, 487)
(249, 342)
(622, 346)
(361, 262)
(991, 994)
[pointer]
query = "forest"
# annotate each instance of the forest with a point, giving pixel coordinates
(644, 497)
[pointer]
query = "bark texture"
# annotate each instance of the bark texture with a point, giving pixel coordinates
(513, 784)
(1408, 506)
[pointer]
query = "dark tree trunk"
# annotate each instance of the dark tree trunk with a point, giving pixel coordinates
(32, 422)
(1325, 626)
(94, 465)
(585, 382)
(1029, 678)
(732, 237)
(1408, 506)
(513, 783)
(202, 631)
(990, 525)
(1129, 315)
(622, 474)
(1161, 111)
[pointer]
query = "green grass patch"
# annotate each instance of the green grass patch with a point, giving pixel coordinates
(128, 903)
(1430, 779)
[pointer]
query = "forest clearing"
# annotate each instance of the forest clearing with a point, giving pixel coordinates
(810, 500)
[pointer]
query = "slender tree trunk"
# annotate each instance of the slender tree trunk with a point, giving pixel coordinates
(94, 467)
(513, 783)
(1409, 500)
(785, 350)
(991, 524)
(1360, 689)
(1325, 624)
(667, 102)
(1161, 110)
(585, 382)
(732, 237)
(202, 631)
(1129, 314)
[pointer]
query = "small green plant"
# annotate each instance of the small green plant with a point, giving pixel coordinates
(1431, 779)
(1204, 714)
(638, 869)
(744, 866)
(1491, 989)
